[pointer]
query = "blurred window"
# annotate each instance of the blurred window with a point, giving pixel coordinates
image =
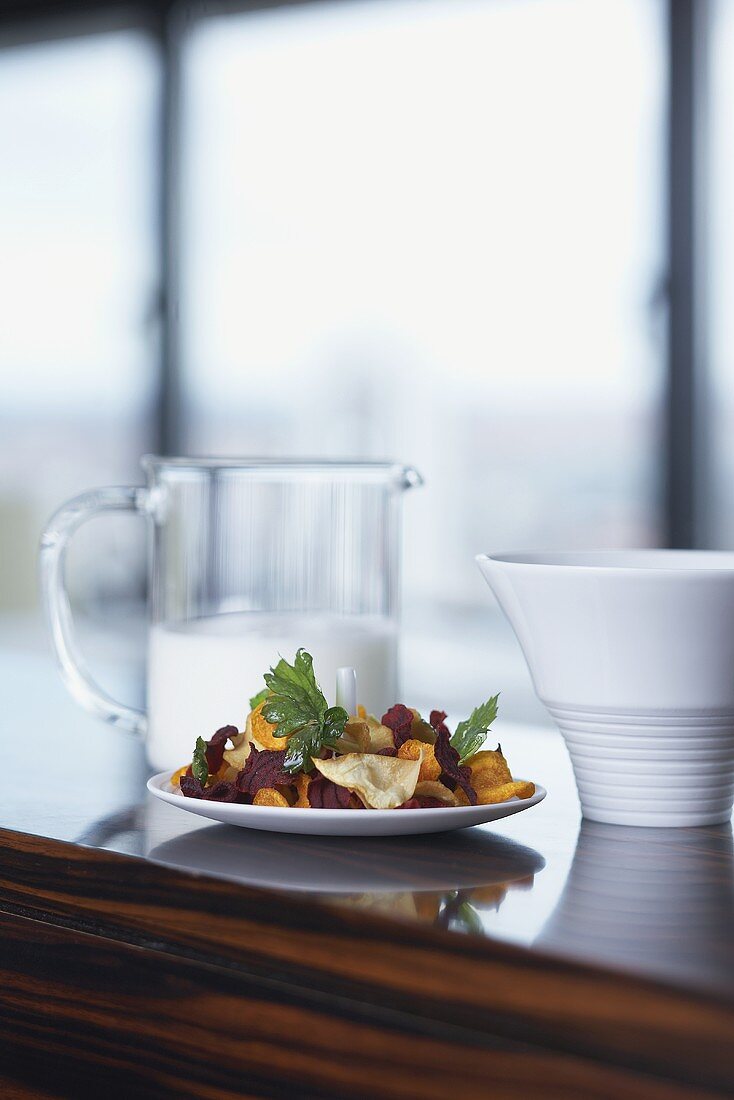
(77, 276)
(433, 230)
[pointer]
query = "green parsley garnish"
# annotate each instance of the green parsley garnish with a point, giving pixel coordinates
(471, 734)
(199, 766)
(297, 707)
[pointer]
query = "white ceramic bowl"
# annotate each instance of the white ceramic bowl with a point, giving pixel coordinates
(632, 652)
(273, 819)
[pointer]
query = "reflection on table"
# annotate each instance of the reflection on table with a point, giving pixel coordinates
(445, 879)
(658, 900)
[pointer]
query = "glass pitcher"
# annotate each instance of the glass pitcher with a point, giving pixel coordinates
(248, 559)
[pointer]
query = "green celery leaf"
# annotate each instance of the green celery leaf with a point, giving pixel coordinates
(470, 734)
(256, 700)
(298, 709)
(467, 919)
(199, 766)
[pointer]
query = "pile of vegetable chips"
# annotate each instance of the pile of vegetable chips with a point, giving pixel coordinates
(296, 750)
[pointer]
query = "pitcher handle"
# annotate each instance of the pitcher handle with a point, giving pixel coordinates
(54, 542)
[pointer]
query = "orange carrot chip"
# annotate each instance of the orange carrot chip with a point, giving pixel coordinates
(488, 796)
(268, 796)
(302, 782)
(489, 769)
(262, 731)
(419, 750)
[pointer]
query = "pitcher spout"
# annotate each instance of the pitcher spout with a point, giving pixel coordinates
(411, 478)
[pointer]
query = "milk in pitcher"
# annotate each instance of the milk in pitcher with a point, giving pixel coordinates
(201, 673)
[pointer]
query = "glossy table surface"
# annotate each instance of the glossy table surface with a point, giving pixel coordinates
(145, 953)
(656, 903)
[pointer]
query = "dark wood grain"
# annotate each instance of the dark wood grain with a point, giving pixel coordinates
(113, 968)
(119, 1021)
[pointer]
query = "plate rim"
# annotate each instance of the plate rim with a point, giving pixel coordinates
(156, 788)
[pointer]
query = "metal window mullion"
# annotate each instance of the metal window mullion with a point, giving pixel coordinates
(685, 435)
(168, 420)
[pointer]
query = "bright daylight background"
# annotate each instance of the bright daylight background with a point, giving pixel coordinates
(425, 229)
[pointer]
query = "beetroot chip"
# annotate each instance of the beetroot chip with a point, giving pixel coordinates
(386, 752)
(216, 745)
(454, 773)
(325, 795)
(221, 792)
(438, 721)
(400, 720)
(191, 787)
(264, 768)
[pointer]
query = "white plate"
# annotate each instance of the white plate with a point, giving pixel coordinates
(273, 819)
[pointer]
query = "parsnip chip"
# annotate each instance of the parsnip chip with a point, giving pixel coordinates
(422, 730)
(427, 788)
(356, 737)
(396, 904)
(487, 796)
(237, 756)
(382, 782)
(380, 736)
